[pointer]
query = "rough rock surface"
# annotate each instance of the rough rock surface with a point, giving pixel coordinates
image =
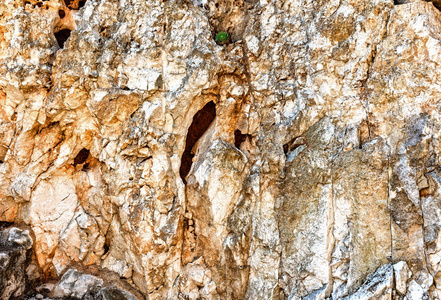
(301, 160)
(16, 269)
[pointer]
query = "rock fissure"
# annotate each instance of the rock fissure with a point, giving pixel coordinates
(389, 207)
(62, 36)
(81, 157)
(201, 121)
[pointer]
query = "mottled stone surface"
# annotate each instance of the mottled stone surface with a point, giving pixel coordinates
(317, 177)
(18, 271)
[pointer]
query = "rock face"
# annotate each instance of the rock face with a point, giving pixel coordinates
(301, 160)
(16, 271)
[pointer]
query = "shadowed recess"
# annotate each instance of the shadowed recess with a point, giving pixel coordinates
(4, 224)
(294, 144)
(201, 121)
(239, 138)
(81, 157)
(3, 151)
(437, 4)
(62, 37)
(74, 4)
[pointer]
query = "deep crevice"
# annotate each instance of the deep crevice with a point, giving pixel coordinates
(293, 144)
(81, 157)
(201, 121)
(106, 246)
(62, 36)
(239, 138)
(4, 224)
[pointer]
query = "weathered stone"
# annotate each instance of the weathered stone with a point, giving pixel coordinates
(377, 286)
(15, 276)
(76, 285)
(299, 160)
(112, 293)
(402, 274)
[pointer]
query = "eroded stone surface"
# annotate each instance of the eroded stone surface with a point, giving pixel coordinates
(18, 271)
(318, 175)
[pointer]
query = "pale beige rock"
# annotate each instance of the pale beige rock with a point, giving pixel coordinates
(402, 274)
(318, 173)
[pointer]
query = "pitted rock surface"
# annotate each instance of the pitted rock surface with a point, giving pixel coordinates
(299, 160)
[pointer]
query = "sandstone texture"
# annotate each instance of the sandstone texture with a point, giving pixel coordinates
(139, 159)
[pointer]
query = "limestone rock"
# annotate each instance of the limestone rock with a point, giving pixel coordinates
(402, 274)
(299, 160)
(76, 285)
(377, 286)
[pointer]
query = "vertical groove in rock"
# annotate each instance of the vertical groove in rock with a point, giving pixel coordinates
(389, 206)
(201, 121)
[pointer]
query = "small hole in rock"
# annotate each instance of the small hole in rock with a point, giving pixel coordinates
(81, 157)
(61, 13)
(81, 4)
(239, 138)
(106, 246)
(425, 192)
(39, 4)
(201, 121)
(62, 37)
(67, 2)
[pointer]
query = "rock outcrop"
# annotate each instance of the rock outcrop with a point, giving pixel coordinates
(18, 272)
(300, 160)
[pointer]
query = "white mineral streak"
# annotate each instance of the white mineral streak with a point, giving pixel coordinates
(319, 177)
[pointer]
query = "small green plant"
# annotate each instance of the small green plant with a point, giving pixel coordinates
(222, 38)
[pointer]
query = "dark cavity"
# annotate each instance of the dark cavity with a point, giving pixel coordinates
(62, 37)
(201, 121)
